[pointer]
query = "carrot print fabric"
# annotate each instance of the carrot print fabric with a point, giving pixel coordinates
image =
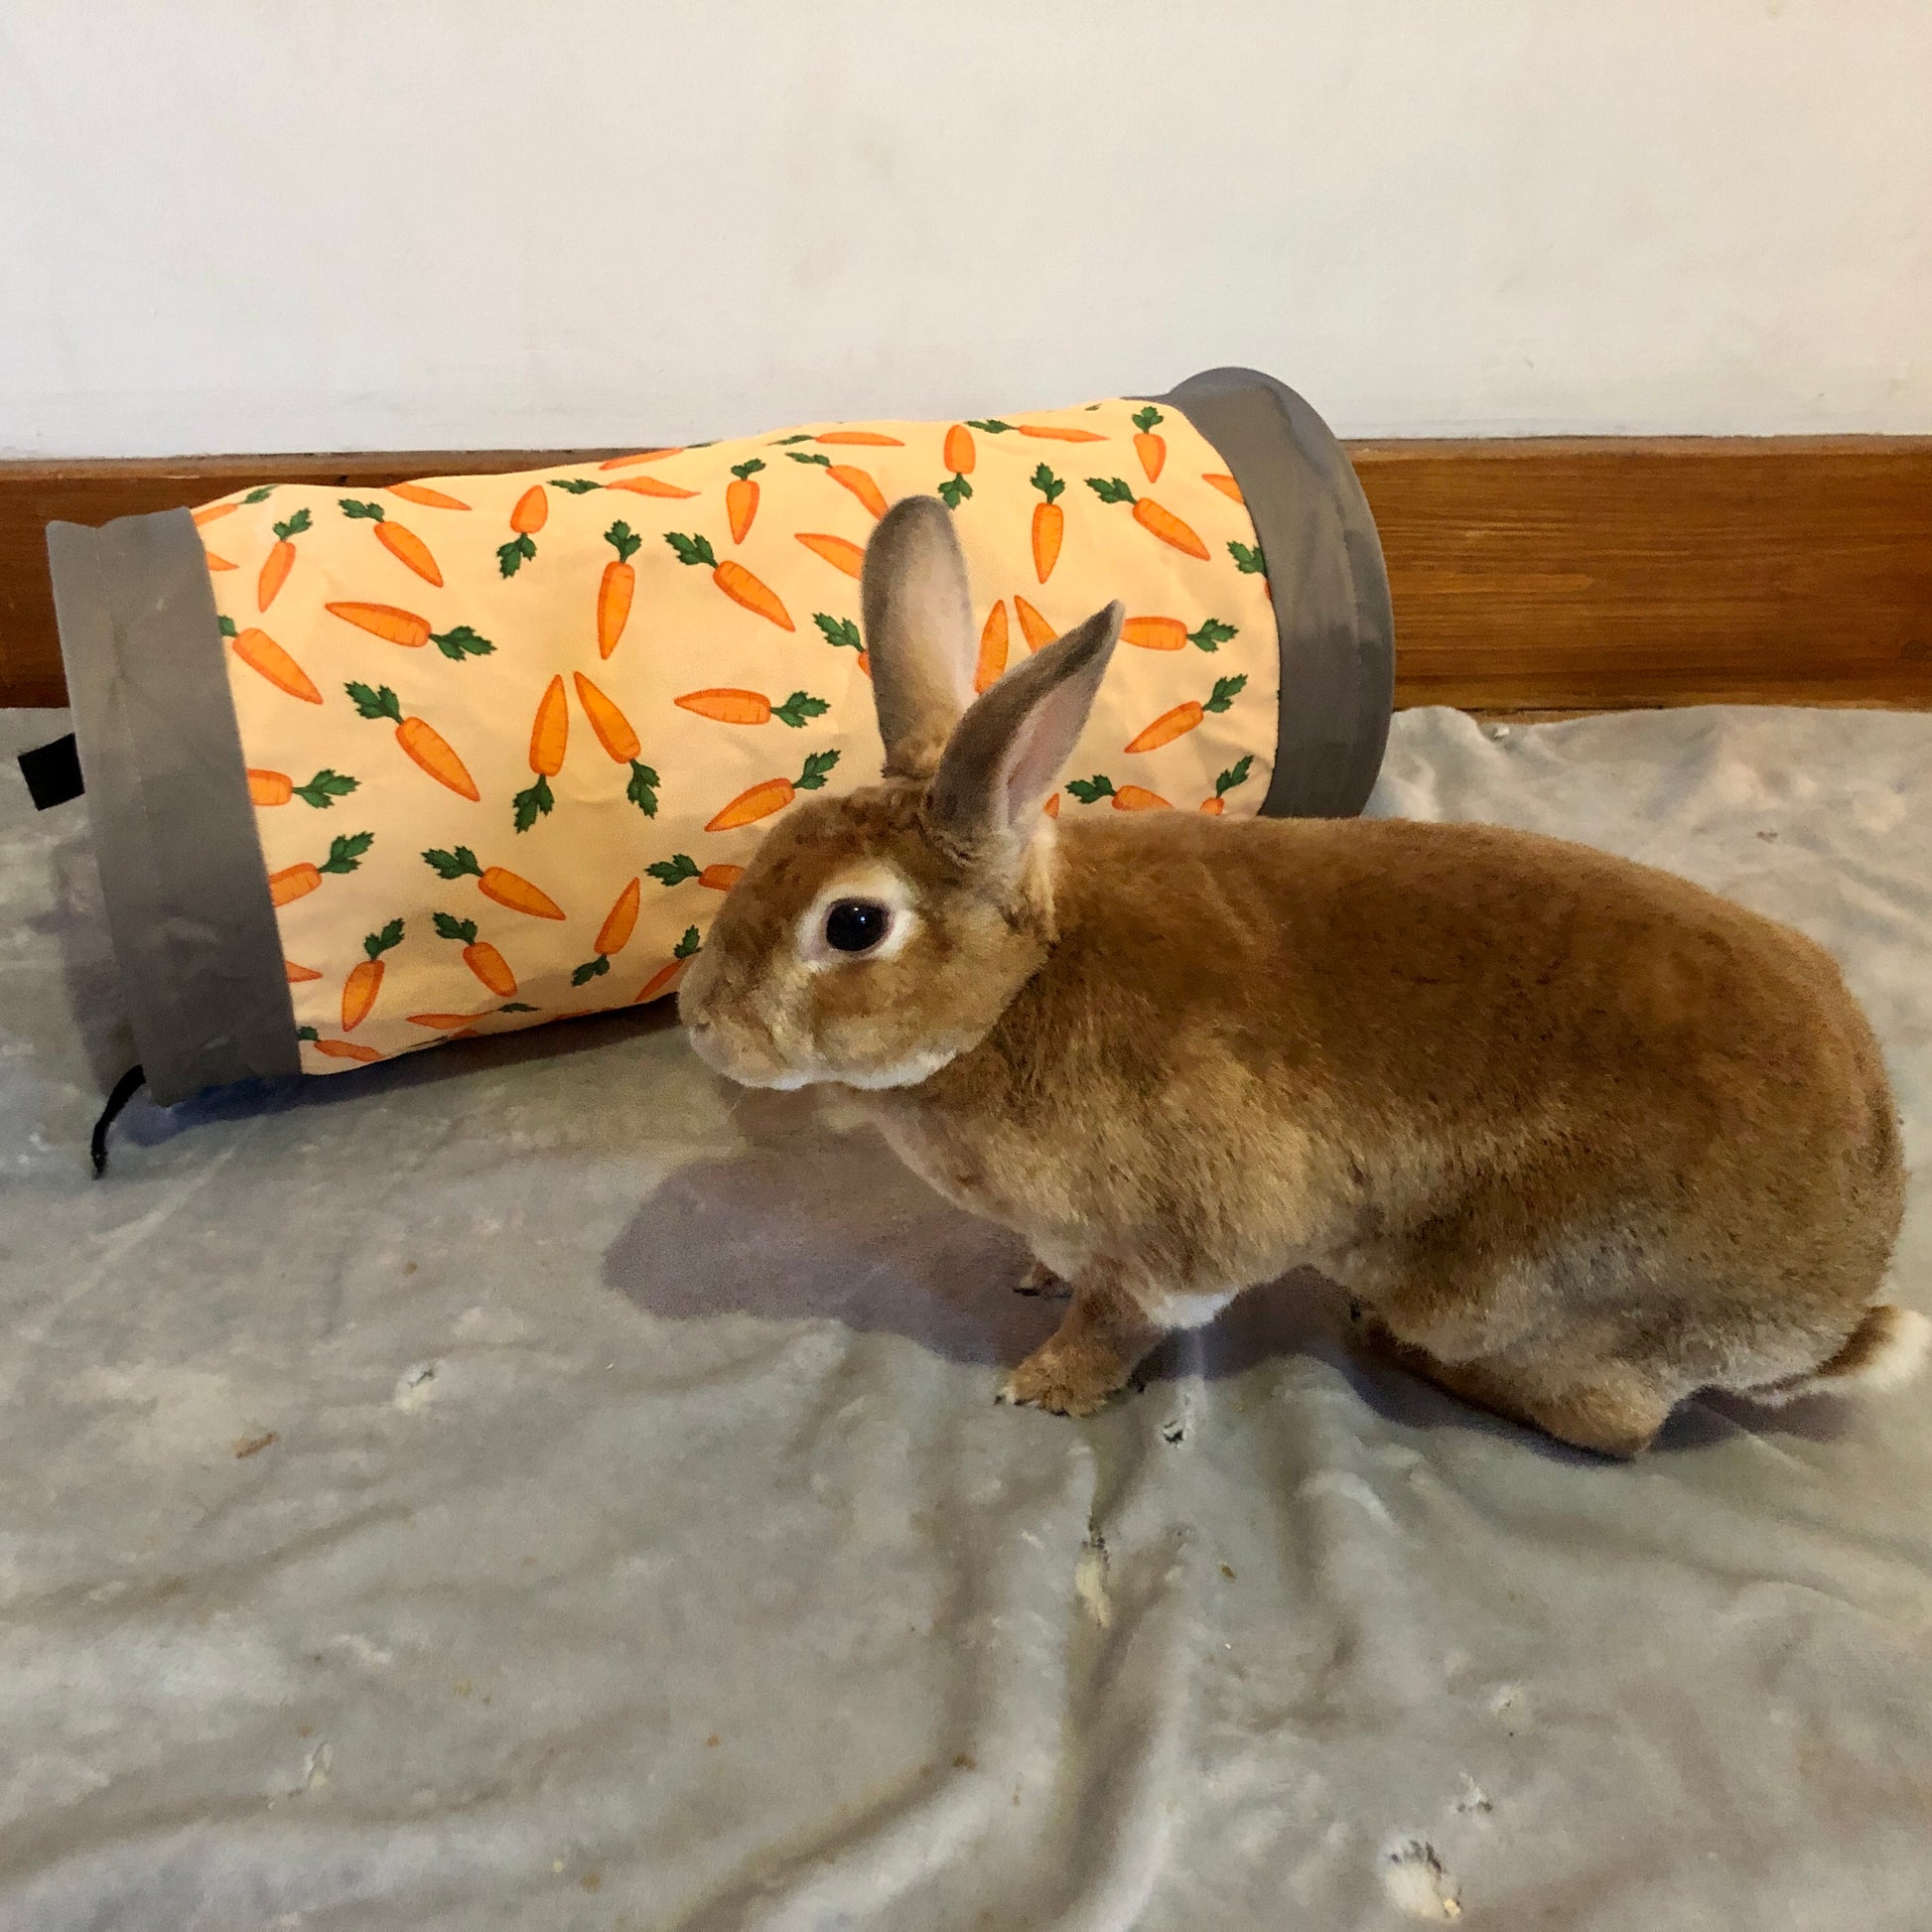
(509, 739)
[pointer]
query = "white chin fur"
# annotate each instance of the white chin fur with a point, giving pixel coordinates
(907, 1073)
(723, 1063)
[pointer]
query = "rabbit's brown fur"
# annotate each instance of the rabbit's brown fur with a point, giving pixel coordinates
(1582, 1136)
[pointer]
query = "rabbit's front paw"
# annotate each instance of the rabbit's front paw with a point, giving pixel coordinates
(1041, 1280)
(1064, 1378)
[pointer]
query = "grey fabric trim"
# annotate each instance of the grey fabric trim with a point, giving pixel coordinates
(1331, 590)
(181, 866)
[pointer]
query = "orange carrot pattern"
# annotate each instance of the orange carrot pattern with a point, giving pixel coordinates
(297, 882)
(612, 936)
(360, 990)
(772, 794)
(425, 746)
(333, 602)
(753, 707)
(667, 976)
(385, 621)
(261, 652)
(649, 486)
(494, 882)
(277, 788)
(680, 866)
(732, 578)
(1149, 448)
(844, 633)
(840, 552)
(958, 455)
(741, 497)
(1249, 561)
(478, 955)
(1235, 774)
(1149, 514)
(615, 933)
(992, 648)
(1127, 798)
(1187, 717)
(620, 744)
(858, 481)
(531, 512)
(1050, 522)
(213, 513)
(280, 560)
(402, 543)
(643, 456)
(1032, 627)
(549, 739)
(339, 1049)
(1170, 634)
(617, 588)
(550, 733)
(430, 499)
(1221, 480)
(219, 563)
(614, 729)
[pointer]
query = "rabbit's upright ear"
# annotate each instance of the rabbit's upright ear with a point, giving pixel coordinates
(1003, 759)
(919, 622)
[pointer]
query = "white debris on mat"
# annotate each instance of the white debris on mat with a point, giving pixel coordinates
(1417, 1884)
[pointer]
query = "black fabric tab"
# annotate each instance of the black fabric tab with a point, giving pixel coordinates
(53, 774)
(125, 1088)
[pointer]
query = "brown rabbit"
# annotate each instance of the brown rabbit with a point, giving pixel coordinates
(1581, 1137)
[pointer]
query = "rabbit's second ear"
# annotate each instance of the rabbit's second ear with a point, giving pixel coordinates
(919, 622)
(1004, 760)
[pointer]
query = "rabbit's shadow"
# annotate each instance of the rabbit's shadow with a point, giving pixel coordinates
(808, 1220)
(812, 1219)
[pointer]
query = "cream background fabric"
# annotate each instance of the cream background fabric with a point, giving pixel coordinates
(462, 607)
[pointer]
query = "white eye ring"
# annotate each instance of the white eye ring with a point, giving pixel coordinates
(877, 889)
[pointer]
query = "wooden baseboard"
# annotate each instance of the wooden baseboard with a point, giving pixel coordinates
(1599, 573)
(1545, 575)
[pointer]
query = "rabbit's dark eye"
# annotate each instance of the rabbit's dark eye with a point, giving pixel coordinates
(856, 924)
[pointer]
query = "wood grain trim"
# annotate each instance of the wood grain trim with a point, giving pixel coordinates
(1543, 575)
(1602, 574)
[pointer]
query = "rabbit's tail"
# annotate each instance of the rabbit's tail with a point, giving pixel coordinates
(1889, 1346)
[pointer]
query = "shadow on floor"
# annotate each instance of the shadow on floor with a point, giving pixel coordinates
(807, 1223)
(146, 1125)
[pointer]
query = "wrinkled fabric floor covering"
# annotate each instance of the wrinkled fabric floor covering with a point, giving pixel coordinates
(533, 1486)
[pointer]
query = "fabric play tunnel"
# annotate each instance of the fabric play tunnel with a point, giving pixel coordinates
(370, 770)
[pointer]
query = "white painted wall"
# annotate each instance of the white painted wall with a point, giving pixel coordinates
(283, 224)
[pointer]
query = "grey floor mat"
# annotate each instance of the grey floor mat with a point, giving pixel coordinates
(532, 1486)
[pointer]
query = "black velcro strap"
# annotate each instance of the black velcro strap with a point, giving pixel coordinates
(125, 1088)
(53, 774)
